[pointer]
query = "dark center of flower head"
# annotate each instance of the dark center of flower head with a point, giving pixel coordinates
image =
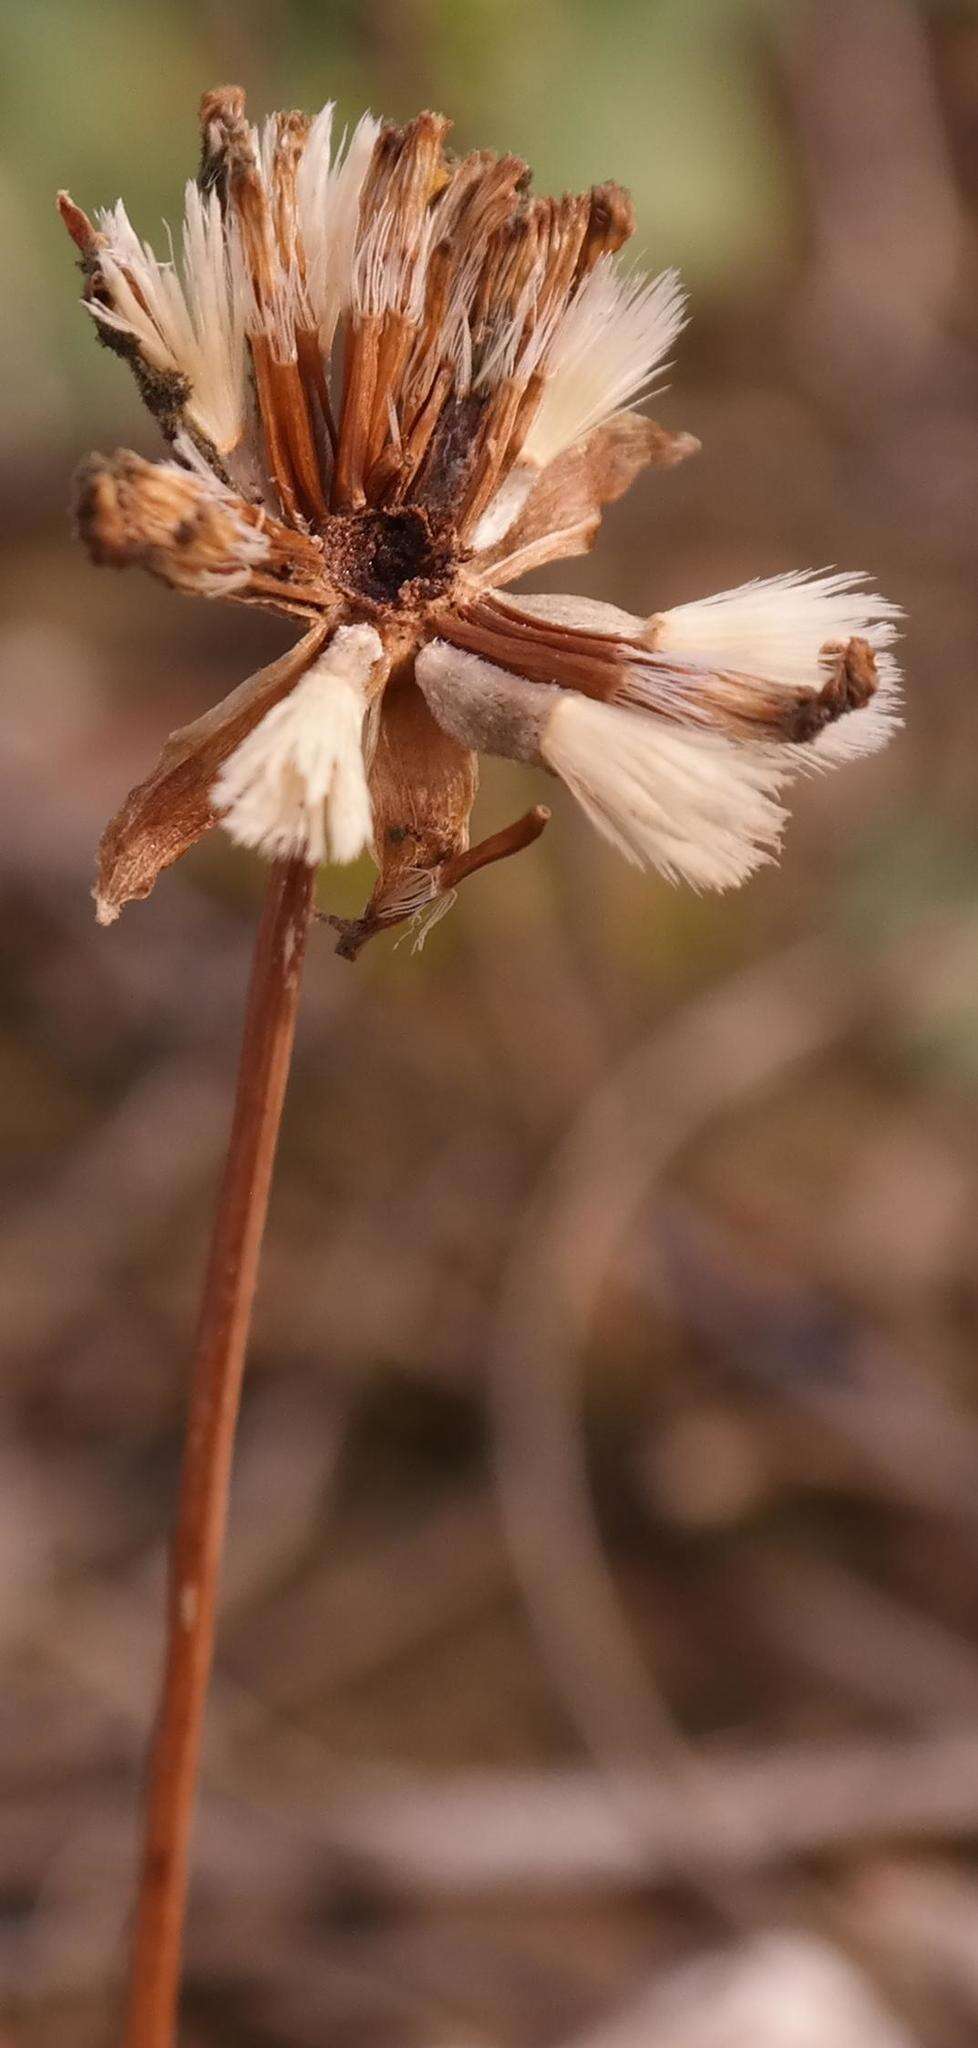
(390, 560)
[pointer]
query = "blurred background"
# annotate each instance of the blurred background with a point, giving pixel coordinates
(599, 1654)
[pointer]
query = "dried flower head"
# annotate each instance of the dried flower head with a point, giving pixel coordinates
(393, 381)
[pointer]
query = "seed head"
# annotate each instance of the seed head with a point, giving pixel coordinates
(393, 381)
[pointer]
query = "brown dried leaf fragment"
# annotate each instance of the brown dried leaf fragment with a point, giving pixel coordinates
(563, 511)
(164, 815)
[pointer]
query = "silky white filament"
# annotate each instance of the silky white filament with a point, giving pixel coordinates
(192, 328)
(328, 187)
(297, 787)
(696, 806)
(608, 346)
(775, 626)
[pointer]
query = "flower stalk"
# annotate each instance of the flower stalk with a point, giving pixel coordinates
(394, 380)
(198, 1542)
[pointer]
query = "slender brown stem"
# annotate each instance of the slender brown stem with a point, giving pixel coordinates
(198, 1540)
(499, 846)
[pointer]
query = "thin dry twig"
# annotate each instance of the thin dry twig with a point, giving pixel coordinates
(229, 1290)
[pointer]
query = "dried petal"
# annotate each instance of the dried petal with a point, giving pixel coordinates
(562, 514)
(606, 353)
(182, 330)
(164, 816)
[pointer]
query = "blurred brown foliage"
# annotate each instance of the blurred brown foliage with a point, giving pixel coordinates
(599, 1658)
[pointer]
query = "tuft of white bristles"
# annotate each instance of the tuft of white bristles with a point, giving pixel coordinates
(697, 807)
(297, 786)
(521, 339)
(389, 276)
(771, 631)
(775, 628)
(328, 187)
(192, 326)
(505, 507)
(608, 346)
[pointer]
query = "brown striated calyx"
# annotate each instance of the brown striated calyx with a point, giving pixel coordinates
(406, 173)
(540, 652)
(165, 814)
(632, 668)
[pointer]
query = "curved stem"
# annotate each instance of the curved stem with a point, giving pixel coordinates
(198, 1540)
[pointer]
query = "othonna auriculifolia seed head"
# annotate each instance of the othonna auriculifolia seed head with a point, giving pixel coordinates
(393, 381)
